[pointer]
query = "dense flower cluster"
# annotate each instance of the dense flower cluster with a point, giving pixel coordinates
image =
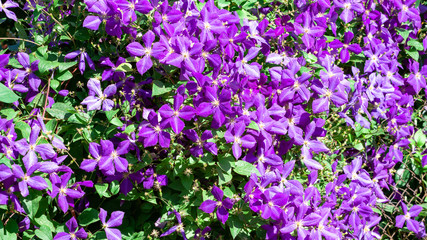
(259, 97)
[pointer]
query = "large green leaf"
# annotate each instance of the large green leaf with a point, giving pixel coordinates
(7, 95)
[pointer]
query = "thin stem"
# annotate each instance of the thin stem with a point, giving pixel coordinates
(62, 26)
(47, 94)
(21, 39)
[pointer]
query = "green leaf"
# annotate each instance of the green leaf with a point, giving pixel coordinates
(101, 189)
(245, 168)
(9, 113)
(124, 67)
(88, 216)
(253, 125)
(114, 187)
(44, 221)
(45, 66)
(7, 95)
(61, 110)
(159, 88)
(44, 233)
(23, 128)
(111, 114)
(116, 121)
(21, 30)
(223, 177)
(31, 205)
(225, 162)
(235, 226)
(187, 181)
(417, 45)
(62, 66)
(413, 53)
(420, 138)
(63, 76)
(310, 58)
(404, 33)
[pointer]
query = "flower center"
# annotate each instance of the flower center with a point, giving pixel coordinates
(347, 6)
(236, 139)
(114, 154)
(157, 129)
(207, 26)
(215, 103)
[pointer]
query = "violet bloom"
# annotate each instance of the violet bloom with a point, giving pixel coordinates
(65, 193)
(177, 228)
(89, 164)
(30, 68)
(216, 105)
(349, 6)
(301, 221)
(4, 8)
(185, 54)
(201, 142)
(209, 206)
(346, 46)
(114, 221)
(154, 133)
(136, 49)
(309, 32)
(406, 11)
(417, 79)
(111, 155)
(179, 111)
(111, 73)
(245, 68)
(83, 58)
(29, 149)
(73, 234)
(411, 224)
(35, 182)
(97, 98)
(235, 136)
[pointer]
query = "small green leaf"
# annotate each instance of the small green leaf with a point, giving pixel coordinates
(62, 66)
(114, 187)
(124, 67)
(44, 233)
(88, 216)
(159, 88)
(7, 95)
(245, 168)
(417, 45)
(101, 189)
(253, 125)
(23, 128)
(9, 113)
(413, 53)
(111, 114)
(420, 138)
(116, 121)
(235, 226)
(63, 76)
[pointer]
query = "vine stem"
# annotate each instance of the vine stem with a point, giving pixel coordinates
(25, 40)
(47, 93)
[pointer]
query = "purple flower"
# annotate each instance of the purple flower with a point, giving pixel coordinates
(349, 6)
(30, 68)
(35, 182)
(65, 194)
(111, 161)
(114, 221)
(136, 49)
(221, 205)
(346, 46)
(8, 4)
(234, 135)
(309, 32)
(406, 218)
(83, 56)
(154, 133)
(201, 142)
(179, 111)
(73, 234)
(177, 228)
(97, 98)
(29, 149)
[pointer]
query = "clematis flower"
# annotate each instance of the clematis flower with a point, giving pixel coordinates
(4, 8)
(154, 133)
(72, 234)
(83, 58)
(136, 49)
(308, 31)
(234, 135)
(29, 149)
(65, 193)
(346, 46)
(111, 160)
(177, 228)
(178, 112)
(349, 6)
(407, 216)
(220, 204)
(97, 98)
(35, 182)
(115, 220)
(30, 68)
(201, 142)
